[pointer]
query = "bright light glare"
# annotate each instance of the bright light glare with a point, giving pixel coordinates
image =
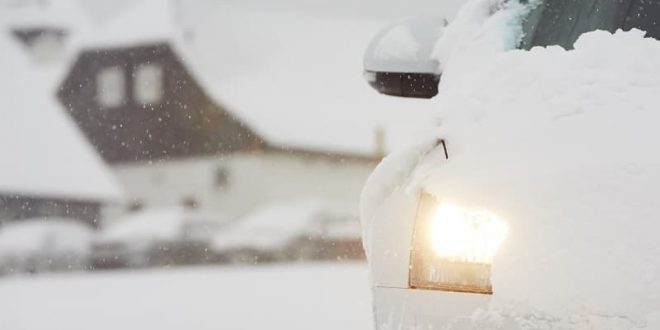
(463, 235)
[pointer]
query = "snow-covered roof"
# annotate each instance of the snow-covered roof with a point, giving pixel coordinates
(43, 152)
(47, 235)
(65, 14)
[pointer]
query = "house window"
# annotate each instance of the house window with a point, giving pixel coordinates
(110, 87)
(148, 86)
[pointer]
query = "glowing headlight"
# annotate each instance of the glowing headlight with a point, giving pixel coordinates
(453, 248)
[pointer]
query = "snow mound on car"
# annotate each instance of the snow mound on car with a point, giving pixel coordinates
(563, 146)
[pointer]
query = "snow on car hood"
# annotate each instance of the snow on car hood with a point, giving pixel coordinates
(562, 146)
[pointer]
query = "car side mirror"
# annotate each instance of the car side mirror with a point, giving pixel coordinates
(399, 59)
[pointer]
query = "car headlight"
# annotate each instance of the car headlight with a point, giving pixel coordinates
(453, 247)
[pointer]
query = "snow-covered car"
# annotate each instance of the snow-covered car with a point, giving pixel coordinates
(44, 244)
(157, 237)
(332, 235)
(286, 231)
(534, 204)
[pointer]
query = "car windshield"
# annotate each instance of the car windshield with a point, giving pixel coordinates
(559, 22)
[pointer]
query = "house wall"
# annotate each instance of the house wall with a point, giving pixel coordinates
(17, 207)
(237, 183)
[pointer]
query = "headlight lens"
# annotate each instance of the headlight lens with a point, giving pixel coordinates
(464, 235)
(453, 247)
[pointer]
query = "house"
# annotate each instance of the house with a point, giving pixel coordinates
(48, 169)
(146, 108)
(169, 143)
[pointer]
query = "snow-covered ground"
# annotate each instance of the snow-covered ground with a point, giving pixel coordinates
(295, 296)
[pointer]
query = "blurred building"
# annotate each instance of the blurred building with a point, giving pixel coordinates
(169, 143)
(145, 106)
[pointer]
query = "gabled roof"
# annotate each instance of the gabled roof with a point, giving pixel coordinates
(43, 153)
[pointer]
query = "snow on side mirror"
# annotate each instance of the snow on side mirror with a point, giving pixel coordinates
(399, 59)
